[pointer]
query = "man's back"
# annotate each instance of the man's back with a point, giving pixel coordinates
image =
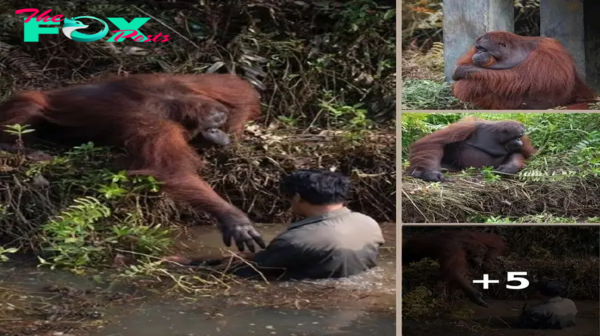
(555, 313)
(331, 241)
(337, 244)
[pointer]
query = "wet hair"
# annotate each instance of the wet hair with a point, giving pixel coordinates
(551, 288)
(317, 187)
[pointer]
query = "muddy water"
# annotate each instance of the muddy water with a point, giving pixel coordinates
(497, 319)
(360, 305)
(173, 319)
(380, 280)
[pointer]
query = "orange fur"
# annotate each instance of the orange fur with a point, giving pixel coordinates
(547, 78)
(152, 116)
(452, 249)
(427, 152)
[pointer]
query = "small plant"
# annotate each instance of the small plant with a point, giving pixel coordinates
(497, 220)
(88, 152)
(4, 211)
(79, 236)
(490, 175)
(355, 117)
(290, 122)
(18, 131)
(5, 251)
(538, 218)
(140, 238)
(71, 237)
(120, 184)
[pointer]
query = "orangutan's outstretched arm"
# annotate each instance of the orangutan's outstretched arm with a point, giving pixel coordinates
(159, 148)
(453, 266)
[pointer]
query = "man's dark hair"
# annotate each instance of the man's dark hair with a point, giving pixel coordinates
(317, 187)
(551, 288)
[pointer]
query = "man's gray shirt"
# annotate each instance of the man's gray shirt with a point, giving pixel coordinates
(555, 313)
(337, 244)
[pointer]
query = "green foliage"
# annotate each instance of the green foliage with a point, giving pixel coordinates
(5, 251)
(120, 184)
(417, 125)
(18, 131)
(3, 210)
(84, 167)
(87, 152)
(541, 218)
(428, 95)
(489, 175)
(142, 238)
(87, 232)
(353, 116)
(71, 237)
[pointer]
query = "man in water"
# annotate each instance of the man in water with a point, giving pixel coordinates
(331, 241)
(554, 312)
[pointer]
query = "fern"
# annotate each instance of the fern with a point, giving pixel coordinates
(593, 140)
(13, 58)
(70, 236)
(437, 50)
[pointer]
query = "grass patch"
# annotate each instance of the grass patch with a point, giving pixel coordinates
(561, 181)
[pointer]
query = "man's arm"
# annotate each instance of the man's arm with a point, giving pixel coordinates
(279, 255)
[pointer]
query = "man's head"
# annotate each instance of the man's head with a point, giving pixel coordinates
(312, 191)
(550, 289)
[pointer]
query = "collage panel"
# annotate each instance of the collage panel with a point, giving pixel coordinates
(505, 280)
(500, 55)
(500, 167)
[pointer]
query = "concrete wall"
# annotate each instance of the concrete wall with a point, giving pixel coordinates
(563, 20)
(465, 20)
(592, 43)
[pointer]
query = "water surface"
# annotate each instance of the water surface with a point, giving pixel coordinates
(359, 305)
